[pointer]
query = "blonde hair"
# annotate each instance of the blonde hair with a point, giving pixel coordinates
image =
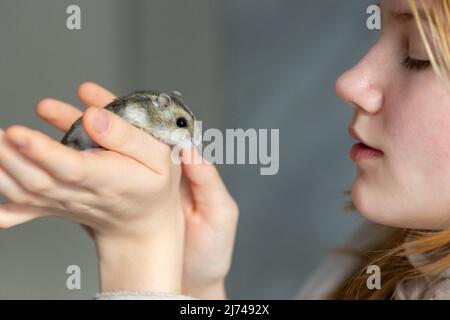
(437, 41)
(392, 253)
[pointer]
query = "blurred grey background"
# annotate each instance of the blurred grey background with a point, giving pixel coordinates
(239, 64)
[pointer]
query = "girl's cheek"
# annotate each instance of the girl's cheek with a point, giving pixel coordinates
(419, 128)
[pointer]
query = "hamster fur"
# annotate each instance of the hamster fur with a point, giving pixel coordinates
(166, 117)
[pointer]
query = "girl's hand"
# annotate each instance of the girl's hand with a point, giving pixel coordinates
(211, 214)
(128, 197)
(211, 221)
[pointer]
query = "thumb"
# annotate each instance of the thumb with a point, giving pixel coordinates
(12, 214)
(116, 134)
(203, 178)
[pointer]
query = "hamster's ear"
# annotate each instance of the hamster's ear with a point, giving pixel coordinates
(177, 95)
(164, 100)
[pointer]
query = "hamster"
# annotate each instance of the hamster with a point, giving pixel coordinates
(159, 114)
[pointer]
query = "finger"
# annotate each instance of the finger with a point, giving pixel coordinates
(13, 214)
(186, 195)
(62, 115)
(93, 95)
(77, 175)
(198, 170)
(61, 162)
(10, 189)
(26, 174)
(34, 179)
(203, 178)
(114, 133)
(59, 114)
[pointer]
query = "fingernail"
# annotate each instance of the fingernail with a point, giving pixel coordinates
(101, 121)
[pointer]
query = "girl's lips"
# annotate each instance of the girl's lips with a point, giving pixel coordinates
(360, 152)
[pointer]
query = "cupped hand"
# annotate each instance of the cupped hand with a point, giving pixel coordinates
(211, 214)
(211, 221)
(105, 190)
(128, 197)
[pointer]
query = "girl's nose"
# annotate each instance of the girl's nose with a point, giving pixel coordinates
(360, 86)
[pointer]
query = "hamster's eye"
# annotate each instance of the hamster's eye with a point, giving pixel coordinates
(181, 122)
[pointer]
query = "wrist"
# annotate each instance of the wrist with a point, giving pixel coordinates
(213, 291)
(151, 263)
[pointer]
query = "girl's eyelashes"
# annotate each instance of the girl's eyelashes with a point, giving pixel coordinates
(414, 64)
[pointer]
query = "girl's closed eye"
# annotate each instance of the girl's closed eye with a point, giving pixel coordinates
(414, 64)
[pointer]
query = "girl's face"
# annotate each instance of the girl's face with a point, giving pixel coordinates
(403, 109)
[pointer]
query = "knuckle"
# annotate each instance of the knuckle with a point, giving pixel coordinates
(74, 177)
(125, 135)
(110, 194)
(76, 207)
(38, 186)
(22, 198)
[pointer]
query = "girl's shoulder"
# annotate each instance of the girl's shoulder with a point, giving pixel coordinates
(337, 266)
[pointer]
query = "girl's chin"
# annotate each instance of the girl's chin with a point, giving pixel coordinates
(381, 209)
(369, 206)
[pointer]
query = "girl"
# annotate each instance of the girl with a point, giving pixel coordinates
(137, 205)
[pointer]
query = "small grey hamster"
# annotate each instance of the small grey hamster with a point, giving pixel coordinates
(157, 113)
